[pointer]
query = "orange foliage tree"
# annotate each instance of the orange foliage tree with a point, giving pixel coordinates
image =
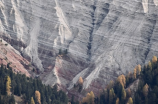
(38, 97)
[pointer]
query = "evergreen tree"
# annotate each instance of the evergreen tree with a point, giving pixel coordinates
(149, 65)
(123, 94)
(111, 96)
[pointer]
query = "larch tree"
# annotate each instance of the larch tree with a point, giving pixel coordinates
(38, 97)
(32, 100)
(80, 81)
(111, 96)
(8, 85)
(139, 69)
(117, 101)
(130, 101)
(154, 59)
(85, 99)
(119, 79)
(92, 97)
(145, 90)
(89, 99)
(122, 80)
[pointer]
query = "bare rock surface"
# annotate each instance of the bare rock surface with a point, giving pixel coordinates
(103, 38)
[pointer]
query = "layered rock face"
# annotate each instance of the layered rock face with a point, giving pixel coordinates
(104, 38)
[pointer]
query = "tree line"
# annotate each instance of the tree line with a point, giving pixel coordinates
(32, 91)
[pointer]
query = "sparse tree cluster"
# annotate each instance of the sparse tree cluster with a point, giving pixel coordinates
(119, 92)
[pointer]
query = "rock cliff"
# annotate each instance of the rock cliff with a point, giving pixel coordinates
(103, 38)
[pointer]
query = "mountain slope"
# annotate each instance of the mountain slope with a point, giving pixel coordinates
(11, 57)
(103, 38)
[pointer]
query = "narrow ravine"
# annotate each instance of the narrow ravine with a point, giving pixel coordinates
(91, 32)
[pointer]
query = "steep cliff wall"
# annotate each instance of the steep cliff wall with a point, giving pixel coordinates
(104, 38)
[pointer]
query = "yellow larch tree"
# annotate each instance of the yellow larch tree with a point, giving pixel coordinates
(122, 80)
(117, 101)
(92, 97)
(111, 95)
(154, 59)
(145, 90)
(139, 69)
(8, 85)
(135, 73)
(38, 97)
(32, 100)
(89, 99)
(80, 81)
(130, 101)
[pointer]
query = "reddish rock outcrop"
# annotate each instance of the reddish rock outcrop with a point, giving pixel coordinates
(8, 55)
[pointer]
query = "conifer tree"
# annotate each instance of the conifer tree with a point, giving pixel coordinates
(111, 84)
(130, 101)
(89, 99)
(145, 90)
(32, 100)
(122, 80)
(154, 59)
(123, 94)
(117, 101)
(111, 95)
(8, 85)
(80, 81)
(38, 97)
(139, 69)
(149, 65)
(92, 97)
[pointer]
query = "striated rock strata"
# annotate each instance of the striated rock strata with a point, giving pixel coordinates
(104, 38)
